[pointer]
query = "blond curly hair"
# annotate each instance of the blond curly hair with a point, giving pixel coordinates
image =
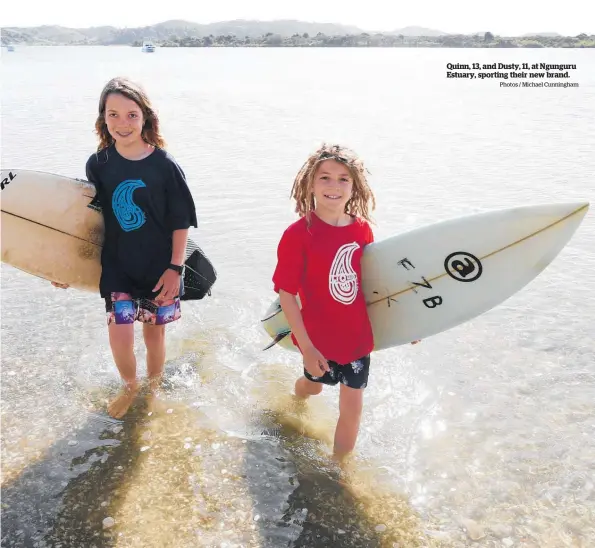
(362, 200)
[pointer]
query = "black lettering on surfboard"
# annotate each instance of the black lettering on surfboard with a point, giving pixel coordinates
(7, 180)
(426, 284)
(463, 266)
(406, 263)
(388, 299)
(433, 302)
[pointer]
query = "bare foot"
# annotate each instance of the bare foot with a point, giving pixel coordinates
(119, 406)
(154, 383)
(342, 458)
(154, 402)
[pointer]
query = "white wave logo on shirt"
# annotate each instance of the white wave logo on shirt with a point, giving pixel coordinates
(342, 281)
(129, 215)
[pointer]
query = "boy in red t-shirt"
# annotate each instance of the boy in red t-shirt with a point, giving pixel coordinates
(319, 259)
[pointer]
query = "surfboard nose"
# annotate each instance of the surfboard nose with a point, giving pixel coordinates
(565, 215)
(555, 210)
(559, 219)
(570, 208)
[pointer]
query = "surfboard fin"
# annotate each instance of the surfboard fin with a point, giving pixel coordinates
(272, 314)
(278, 338)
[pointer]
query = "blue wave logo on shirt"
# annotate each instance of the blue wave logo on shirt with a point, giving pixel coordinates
(129, 215)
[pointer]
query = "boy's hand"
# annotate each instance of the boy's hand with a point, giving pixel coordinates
(314, 362)
(169, 283)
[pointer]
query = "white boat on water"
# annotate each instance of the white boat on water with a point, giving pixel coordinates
(148, 47)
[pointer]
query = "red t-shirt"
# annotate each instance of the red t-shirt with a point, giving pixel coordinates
(322, 263)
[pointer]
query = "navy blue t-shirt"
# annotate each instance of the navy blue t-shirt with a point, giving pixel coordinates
(143, 202)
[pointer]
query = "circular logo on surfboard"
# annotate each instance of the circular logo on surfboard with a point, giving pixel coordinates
(463, 266)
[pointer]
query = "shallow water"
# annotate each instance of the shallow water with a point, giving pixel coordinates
(483, 432)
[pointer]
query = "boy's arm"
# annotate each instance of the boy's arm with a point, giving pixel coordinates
(179, 240)
(294, 319)
(314, 362)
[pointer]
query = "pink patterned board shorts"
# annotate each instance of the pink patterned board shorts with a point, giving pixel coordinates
(121, 308)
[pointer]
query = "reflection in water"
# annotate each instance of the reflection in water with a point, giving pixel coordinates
(168, 476)
(58, 499)
(238, 462)
(335, 506)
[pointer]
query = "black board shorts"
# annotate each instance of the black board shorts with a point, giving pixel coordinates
(353, 374)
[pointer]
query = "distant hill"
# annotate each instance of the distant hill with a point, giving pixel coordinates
(285, 27)
(242, 32)
(45, 35)
(544, 34)
(418, 31)
(56, 35)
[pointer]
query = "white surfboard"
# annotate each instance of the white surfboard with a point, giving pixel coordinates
(428, 280)
(52, 229)
(49, 229)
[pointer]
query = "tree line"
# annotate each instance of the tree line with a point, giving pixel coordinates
(485, 40)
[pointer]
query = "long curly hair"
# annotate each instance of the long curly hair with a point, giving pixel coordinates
(362, 201)
(136, 93)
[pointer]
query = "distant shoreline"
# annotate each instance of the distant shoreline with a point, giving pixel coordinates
(288, 34)
(409, 44)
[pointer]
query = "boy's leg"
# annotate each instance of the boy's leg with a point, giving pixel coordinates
(354, 378)
(154, 336)
(121, 338)
(308, 385)
(350, 412)
(154, 316)
(305, 388)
